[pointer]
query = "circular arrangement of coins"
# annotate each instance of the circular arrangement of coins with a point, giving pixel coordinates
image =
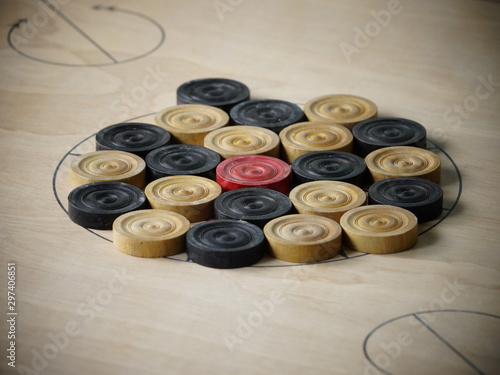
(227, 179)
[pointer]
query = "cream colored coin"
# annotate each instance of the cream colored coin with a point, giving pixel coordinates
(303, 137)
(345, 110)
(404, 161)
(327, 198)
(108, 166)
(150, 233)
(303, 238)
(243, 140)
(190, 196)
(190, 123)
(379, 229)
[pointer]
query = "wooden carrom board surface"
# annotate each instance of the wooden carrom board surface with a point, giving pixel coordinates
(69, 68)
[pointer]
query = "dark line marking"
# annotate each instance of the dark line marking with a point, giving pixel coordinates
(289, 265)
(149, 19)
(58, 167)
(459, 194)
(79, 30)
(98, 235)
(309, 264)
(179, 260)
(446, 209)
(451, 347)
(342, 253)
(367, 338)
(73, 154)
(54, 176)
(18, 23)
(54, 188)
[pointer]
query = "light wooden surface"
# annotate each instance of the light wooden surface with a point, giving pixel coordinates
(436, 62)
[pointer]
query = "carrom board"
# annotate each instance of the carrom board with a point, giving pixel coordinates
(78, 306)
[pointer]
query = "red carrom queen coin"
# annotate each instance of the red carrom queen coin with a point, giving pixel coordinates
(254, 171)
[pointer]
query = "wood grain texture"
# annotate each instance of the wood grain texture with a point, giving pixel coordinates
(239, 140)
(303, 238)
(190, 123)
(346, 110)
(155, 316)
(190, 196)
(108, 166)
(379, 229)
(150, 233)
(404, 161)
(303, 137)
(327, 198)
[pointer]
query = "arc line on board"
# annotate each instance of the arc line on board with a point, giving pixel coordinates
(451, 347)
(112, 61)
(459, 194)
(79, 30)
(389, 321)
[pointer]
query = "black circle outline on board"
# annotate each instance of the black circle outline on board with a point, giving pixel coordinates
(367, 338)
(113, 62)
(342, 253)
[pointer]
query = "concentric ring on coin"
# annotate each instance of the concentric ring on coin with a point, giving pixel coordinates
(108, 165)
(345, 110)
(327, 198)
(150, 233)
(379, 229)
(243, 140)
(404, 161)
(303, 137)
(302, 238)
(190, 196)
(190, 123)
